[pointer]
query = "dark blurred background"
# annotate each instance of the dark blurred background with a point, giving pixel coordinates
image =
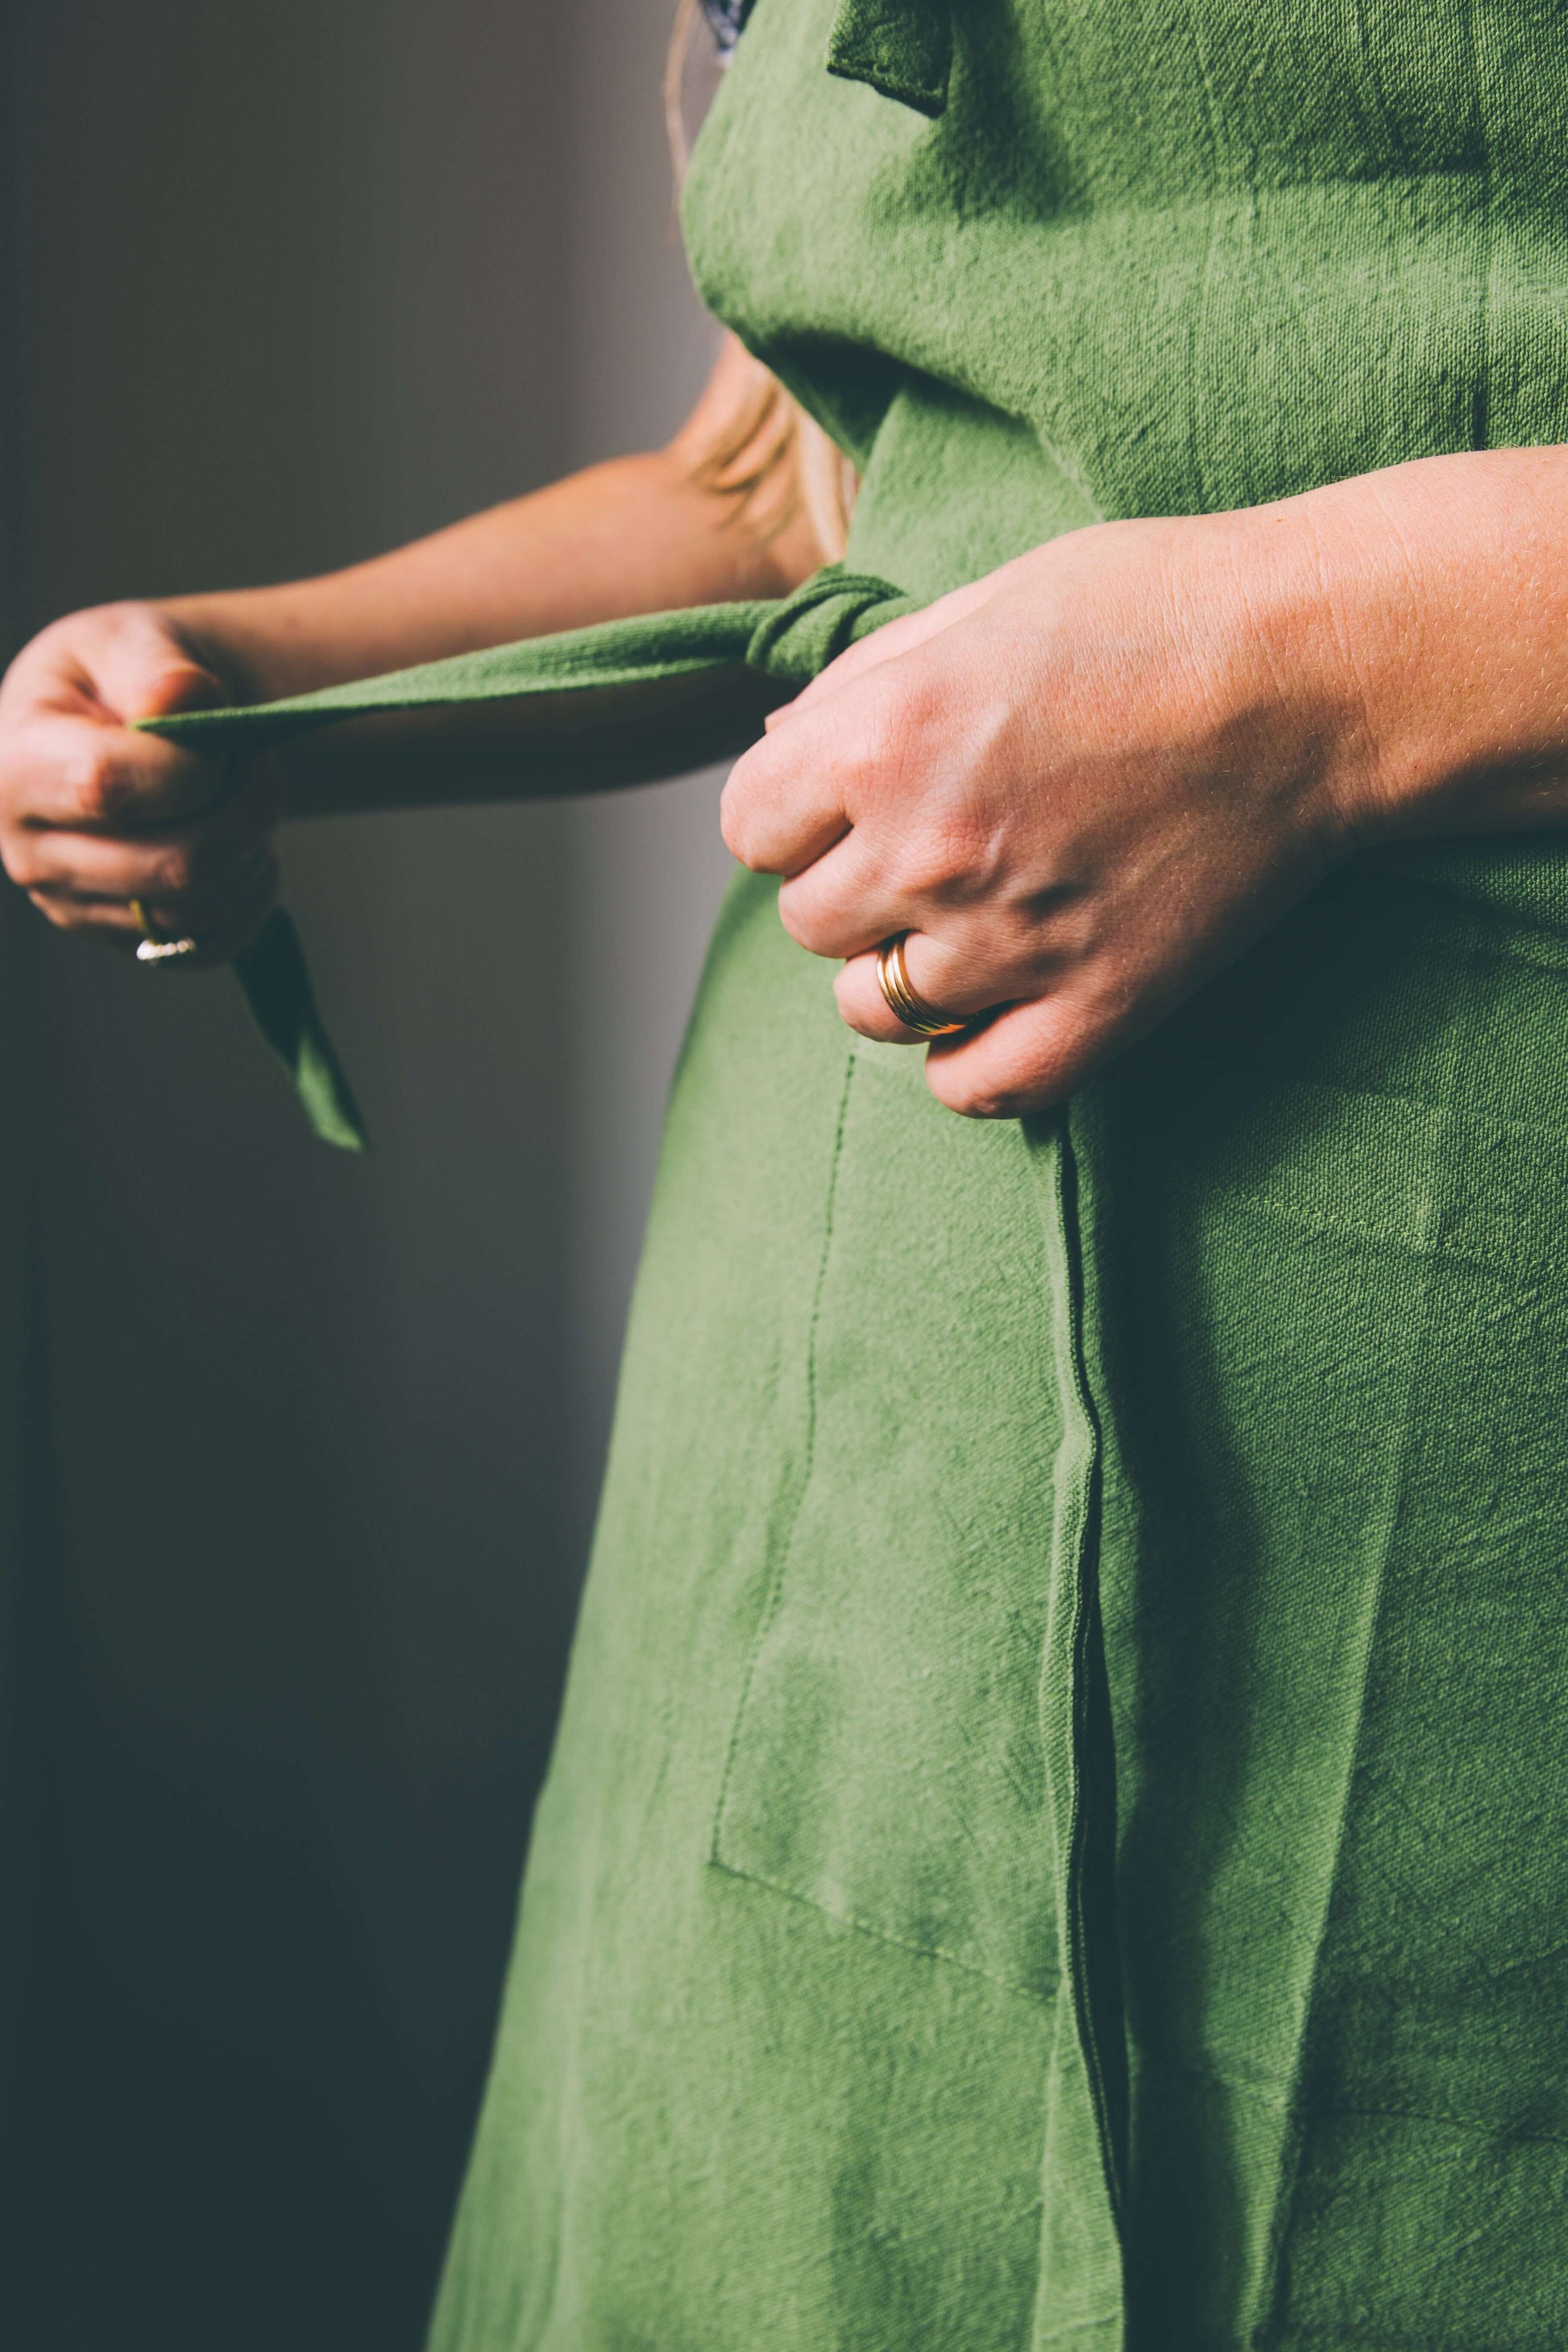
(298, 1454)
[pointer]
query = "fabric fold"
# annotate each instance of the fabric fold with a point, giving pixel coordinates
(1085, 2157)
(900, 48)
(790, 639)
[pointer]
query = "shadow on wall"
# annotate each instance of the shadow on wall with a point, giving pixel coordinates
(299, 283)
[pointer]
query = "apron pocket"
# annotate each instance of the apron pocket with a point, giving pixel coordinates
(886, 1763)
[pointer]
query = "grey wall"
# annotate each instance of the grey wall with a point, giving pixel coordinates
(18, 1439)
(299, 283)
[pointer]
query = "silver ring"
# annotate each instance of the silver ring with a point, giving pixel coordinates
(165, 951)
(153, 948)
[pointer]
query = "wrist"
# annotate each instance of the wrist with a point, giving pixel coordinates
(258, 641)
(1300, 674)
(1383, 755)
(1441, 627)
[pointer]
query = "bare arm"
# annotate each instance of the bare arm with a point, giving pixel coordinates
(93, 815)
(710, 517)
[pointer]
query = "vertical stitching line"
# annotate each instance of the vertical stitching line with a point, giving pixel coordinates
(786, 1542)
(1087, 1567)
(1077, 1493)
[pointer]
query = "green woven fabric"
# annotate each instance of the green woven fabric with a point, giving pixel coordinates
(902, 48)
(272, 972)
(788, 640)
(1059, 1830)
(1060, 1834)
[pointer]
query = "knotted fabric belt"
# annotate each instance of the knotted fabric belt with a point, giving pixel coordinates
(789, 641)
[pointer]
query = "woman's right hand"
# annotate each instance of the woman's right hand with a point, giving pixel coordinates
(94, 814)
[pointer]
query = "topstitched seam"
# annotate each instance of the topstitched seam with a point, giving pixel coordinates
(786, 1546)
(923, 1947)
(923, 1950)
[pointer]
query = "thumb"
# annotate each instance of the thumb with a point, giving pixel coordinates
(181, 682)
(145, 672)
(185, 684)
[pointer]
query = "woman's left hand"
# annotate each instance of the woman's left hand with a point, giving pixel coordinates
(1080, 785)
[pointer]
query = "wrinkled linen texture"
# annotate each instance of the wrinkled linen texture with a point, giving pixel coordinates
(1059, 1830)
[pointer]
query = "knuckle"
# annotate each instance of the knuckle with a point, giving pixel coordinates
(175, 874)
(939, 856)
(807, 928)
(736, 827)
(985, 1102)
(951, 858)
(880, 752)
(926, 867)
(97, 789)
(892, 731)
(865, 1024)
(983, 1094)
(971, 845)
(852, 1009)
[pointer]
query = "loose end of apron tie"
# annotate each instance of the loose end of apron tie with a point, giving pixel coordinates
(276, 980)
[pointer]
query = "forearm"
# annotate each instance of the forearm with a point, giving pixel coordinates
(718, 514)
(1434, 599)
(635, 535)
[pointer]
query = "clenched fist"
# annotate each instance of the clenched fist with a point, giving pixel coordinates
(93, 815)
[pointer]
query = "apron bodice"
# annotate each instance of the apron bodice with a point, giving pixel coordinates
(1138, 259)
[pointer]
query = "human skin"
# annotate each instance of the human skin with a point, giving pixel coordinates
(1089, 779)
(1081, 784)
(93, 815)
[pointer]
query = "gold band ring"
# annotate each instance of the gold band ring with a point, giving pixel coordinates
(156, 946)
(903, 1000)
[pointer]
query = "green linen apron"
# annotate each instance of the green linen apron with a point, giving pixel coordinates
(1059, 1830)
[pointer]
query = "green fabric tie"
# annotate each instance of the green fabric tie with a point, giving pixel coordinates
(789, 640)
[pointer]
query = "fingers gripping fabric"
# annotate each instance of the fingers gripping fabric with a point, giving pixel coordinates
(790, 640)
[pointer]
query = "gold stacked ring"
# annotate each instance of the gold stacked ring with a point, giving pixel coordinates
(154, 947)
(904, 1000)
